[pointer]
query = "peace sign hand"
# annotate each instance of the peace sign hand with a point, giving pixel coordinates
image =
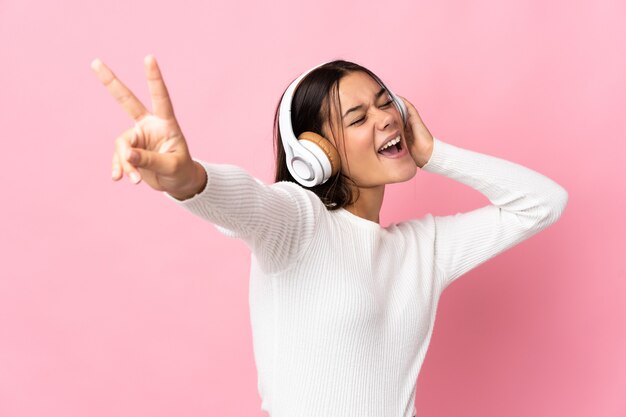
(154, 149)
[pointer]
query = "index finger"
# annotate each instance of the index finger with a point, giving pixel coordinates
(119, 91)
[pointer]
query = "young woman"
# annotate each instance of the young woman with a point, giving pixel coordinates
(342, 309)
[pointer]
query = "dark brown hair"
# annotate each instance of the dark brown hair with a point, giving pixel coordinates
(310, 109)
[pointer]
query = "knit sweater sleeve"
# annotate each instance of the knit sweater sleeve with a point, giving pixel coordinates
(276, 221)
(523, 202)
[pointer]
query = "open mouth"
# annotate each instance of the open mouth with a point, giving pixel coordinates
(392, 147)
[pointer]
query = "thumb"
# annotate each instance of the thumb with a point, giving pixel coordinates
(152, 161)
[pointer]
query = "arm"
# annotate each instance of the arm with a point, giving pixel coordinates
(277, 221)
(524, 202)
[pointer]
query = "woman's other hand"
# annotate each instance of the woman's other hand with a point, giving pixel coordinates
(154, 149)
(419, 139)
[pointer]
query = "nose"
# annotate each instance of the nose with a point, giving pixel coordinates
(384, 118)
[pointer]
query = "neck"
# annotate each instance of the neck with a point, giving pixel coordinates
(368, 204)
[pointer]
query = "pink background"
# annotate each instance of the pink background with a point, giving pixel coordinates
(116, 302)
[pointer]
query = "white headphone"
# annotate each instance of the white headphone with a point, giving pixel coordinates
(311, 158)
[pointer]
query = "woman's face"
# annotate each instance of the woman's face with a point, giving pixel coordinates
(370, 120)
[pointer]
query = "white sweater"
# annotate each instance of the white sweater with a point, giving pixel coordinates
(342, 309)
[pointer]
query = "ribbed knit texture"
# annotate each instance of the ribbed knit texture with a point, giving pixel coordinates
(342, 309)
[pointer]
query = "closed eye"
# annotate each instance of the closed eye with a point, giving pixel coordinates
(387, 103)
(357, 121)
(363, 118)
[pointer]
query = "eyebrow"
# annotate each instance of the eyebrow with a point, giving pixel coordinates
(360, 106)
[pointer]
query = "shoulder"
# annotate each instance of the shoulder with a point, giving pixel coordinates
(421, 227)
(298, 192)
(308, 205)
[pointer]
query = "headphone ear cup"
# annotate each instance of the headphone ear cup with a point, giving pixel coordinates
(324, 144)
(400, 105)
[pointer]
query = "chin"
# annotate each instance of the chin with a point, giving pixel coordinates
(404, 174)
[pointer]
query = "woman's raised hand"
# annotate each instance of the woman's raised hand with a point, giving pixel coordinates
(154, 149)
(419, 139)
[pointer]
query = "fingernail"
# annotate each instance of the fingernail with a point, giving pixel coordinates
(134, 177)
(114, 173)
(95, 64)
